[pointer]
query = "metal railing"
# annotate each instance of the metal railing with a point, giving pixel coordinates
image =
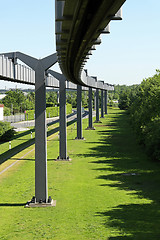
(14, 118)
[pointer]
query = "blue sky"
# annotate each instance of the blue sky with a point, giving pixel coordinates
(130, 53)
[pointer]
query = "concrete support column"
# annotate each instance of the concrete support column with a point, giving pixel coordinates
(62, 115)
(62, 122)
(40, 66)
(90, 127)
(97, 106)
(57, 96)
(79, 112)
(105, 101)
(102, 105)
(41, 186)
(95, 100)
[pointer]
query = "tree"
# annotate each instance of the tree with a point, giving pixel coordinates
(145, 114)
(30, 101)
(15, 100)
(124, 100)
(51, 97)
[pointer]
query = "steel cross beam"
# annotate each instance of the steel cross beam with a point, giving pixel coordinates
(12, 71)
(40, 67)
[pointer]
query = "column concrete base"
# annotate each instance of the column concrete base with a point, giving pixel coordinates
(80, 138)
(63, 159)
(90, 128)
(97, 121)
(33, 203)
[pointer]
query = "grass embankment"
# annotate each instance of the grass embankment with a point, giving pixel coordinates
(110, 189)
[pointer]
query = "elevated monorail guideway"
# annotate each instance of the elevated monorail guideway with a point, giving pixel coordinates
(78, 26)
(10, 70)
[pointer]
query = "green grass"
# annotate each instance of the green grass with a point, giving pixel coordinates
(110, 189)
(21, 141)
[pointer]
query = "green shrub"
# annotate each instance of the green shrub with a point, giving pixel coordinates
(152, 139)
(50, 112)
(69, 108)
(7, 111)
(49, 104)
(29, 115)
(145, 115)
(6, 131)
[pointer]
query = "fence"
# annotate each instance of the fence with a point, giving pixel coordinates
(15, 118)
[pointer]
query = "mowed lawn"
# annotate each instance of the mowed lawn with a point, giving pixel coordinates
(109, 190)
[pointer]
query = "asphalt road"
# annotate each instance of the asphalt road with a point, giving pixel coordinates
(24, 125)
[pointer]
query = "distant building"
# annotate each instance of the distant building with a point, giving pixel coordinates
(2, 96)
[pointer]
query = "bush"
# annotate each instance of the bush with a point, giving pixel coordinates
(50, 112)
(29, 115)
(7, 111)
(145, 115)
(69, 108)
(49, 104)
(152, 139)
(6, 132)
(124, 100)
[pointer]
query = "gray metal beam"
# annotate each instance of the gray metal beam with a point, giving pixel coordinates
(57, 96)
(90, 127)
(95, 100)
(97, 106)
(79, 112)
(40, 67)
(62, 122)
(62, 115)
(41, 188)
(105, 101)
(12, 71)
(102, 104)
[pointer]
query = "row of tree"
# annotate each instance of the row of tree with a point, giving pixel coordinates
(143, 104)
(16, 101)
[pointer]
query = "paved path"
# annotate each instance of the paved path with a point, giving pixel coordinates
(22, 126)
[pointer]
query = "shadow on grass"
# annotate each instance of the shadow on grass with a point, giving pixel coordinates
(30, 159)
(126, 167)
(12, 204)
(22, 134)
(140, 221)
(12, 152)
